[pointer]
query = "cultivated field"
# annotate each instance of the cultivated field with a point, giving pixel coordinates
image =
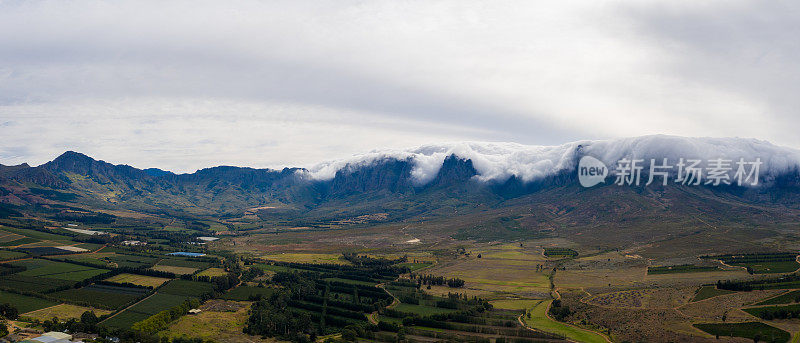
(63, 311)
(141, 280)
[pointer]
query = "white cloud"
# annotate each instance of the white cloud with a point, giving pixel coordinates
(499, 161)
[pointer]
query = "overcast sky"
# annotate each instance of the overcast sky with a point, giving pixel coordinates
(183, 85)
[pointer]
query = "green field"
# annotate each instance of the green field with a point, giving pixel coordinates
(182, 262)
(109, 297)
(244, 293)
(125, 319)
(57, 270)
(706, 292)
(38, 235)
(771, 267)
(746, 330)
(515, 304)
(141, 311)
(760, 311)
(32, 284)
(415, 266)
(686, 268)
(25, 303)
(353, 282)
(24, 240)
(6, 255)
(186, 288)
(559, 252)
(785, 298)
(762, 263)
(421, 309)
(540, 321)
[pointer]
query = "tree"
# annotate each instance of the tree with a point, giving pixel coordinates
(8, 311)
(3, 330)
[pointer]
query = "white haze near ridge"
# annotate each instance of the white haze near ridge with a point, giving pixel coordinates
(499, 161)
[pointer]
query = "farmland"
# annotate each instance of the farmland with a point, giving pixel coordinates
(685, 268)
(763, 263)
(539, 320)
(244, 293)
(102, 296)
(749, 330)
(785, 298)
(24, 303)
(63, 311)
(706, 292)
(187, 288)
(141, 280)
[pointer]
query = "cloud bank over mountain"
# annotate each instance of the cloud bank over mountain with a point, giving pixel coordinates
(499, 161)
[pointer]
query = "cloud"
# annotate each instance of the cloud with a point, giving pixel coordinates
(499, 161)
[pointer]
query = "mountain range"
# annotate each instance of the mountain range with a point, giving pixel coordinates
(514, 206)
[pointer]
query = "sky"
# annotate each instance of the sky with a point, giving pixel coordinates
(183, 85)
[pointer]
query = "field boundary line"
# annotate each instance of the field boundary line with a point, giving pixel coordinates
(42, 309)
(126, 308)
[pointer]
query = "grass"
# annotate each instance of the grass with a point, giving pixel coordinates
(21, 241)
(125, 319)
(186, 288)
(540, 321)
(353, 282)
(707, 292)
(58, 270)
(746, 330)
(244, 293)
(784, 298)
(110, 297)
(421, 310)
(213, 272)
(63, 311)
(141, 280)
(307, 258)
(212, 326)
(757, 311)
(183, 262)
(24, 303)
(175, 270)
(514, 304)
(157, 303)
(6, 255)
(32, 284)
(686, 268)
(38, 235)
(772, 267)
(559, 252)
(415, 266)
